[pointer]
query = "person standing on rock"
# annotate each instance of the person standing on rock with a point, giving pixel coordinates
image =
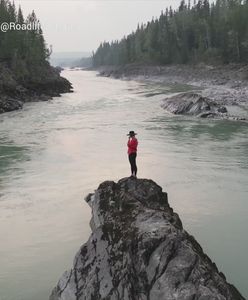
(132, 145)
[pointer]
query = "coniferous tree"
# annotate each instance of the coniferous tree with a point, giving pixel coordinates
(202, 32)
(24, 51)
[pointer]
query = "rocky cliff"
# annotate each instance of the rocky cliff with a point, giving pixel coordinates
(139, 250)
(42, 86)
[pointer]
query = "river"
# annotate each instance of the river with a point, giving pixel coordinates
(52, 154)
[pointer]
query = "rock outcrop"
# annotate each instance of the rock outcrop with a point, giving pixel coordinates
(139, 250)
(14, 92)
(192, 103)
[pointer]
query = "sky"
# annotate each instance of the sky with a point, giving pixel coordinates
(80, 25)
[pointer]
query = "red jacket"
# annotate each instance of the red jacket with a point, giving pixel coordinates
(132, 145)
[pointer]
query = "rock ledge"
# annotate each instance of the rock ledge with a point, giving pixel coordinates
(139, 250)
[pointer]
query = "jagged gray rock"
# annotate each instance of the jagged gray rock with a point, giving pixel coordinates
(9, 104)
(139, 250)
(192, 103)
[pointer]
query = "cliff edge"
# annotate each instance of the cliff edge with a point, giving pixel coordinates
(43, 84)
(139, 250)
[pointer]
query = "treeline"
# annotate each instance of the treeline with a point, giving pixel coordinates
(203, 32)
(23, 51)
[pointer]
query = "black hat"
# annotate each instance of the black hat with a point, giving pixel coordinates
(131, 133)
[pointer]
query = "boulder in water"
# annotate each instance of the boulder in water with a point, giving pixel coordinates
(139, 250)
(192, 103)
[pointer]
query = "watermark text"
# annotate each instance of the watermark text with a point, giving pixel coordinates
(11, 26)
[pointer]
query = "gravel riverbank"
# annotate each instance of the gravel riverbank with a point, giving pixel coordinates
(226, 85)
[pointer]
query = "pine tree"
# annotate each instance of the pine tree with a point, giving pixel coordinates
(202, 32)
(25, 52)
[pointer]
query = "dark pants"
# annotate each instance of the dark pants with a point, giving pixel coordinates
(132, 160)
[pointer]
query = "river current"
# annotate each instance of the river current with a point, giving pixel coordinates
(52, 154)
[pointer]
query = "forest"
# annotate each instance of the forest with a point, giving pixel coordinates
(24, 52)
(202, 31)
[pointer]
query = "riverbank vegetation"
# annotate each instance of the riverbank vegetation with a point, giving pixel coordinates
(203, 32)
(25, 71)
(22, 51)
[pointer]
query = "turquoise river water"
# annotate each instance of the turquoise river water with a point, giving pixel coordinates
(52, 154)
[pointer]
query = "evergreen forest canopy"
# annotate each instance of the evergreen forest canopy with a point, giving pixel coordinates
(203, 32)
(22, 51)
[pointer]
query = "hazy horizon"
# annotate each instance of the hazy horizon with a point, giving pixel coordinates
(80, 26)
